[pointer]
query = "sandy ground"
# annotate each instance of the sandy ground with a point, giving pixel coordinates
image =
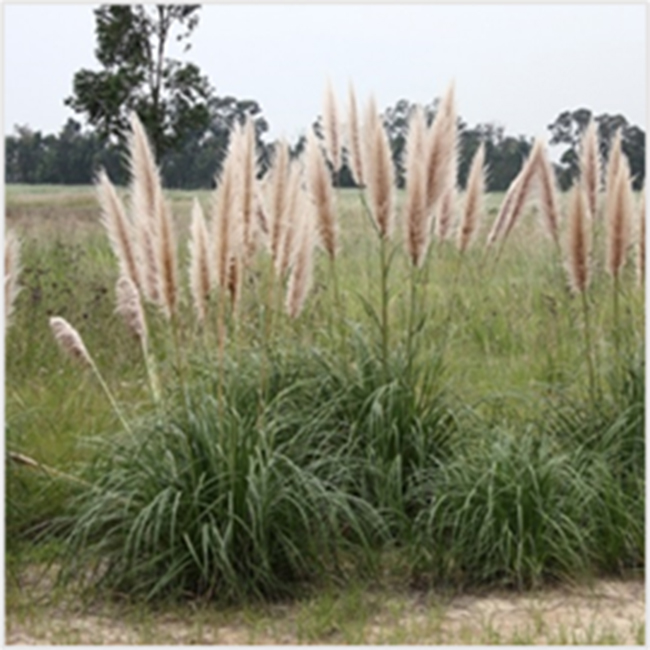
(605, 612)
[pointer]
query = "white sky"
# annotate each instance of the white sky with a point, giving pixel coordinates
(519, 65)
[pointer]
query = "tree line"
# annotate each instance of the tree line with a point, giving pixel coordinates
(189, 123)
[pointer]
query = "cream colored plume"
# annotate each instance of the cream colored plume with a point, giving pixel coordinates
(227, 232)
(614, 161)
(417, 221)
(579, 241)
(619, 220)
(442, 154)
(300, 278)
(277, 189)
(474, 198)
(146, 208)
(130, 308)
(514, 203)
(547, 196)
(590, 166)
(118, 228)
(290, 218)
(354, 139)
(380, 175)
(12, 270)
(331, 127)
(244, 143)
(199, 255)
(445, 216)
(167, 263)
(322, 195)
(69, 340)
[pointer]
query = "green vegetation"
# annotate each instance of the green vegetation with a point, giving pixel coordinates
(474, 456)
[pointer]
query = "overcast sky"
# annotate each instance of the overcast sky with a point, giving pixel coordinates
(519, 65)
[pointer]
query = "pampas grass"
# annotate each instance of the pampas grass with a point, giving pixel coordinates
(619, 220)
(72, 344)
(300, 278)
(167, 263)
(416, 220)
(130, 308)
(445, 216)
(579, 266)
(12, 270)
(355, 158)
(278, 180)
(248, 165)
(380, 175)
(441, 152)
(590, 166)
(504, 211)
(331, 128)
(320, 188)
(146, 207)
(118, 228)
(474, 197)
(547, 197)
(293, 206)
(200, 268)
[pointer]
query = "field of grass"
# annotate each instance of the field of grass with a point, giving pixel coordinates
(469, 450)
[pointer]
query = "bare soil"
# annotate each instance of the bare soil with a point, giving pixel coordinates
(606, 612)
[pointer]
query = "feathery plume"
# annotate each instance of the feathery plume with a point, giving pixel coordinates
(590, 166)
(445, 215)
(302, 261)
(146, 207)
(200, 276)
(473, 199)
(294, 190)
(12, 270)
(130, 307)
(614, 160)
(504, 211)
(226, 229)
(69, 340)
(417, 221)
(278, 181)
(547, 196)
(523, 189)
(441, 150)
(640, 258)
(354, 138)
(320, 188)
(118, 228)
(379, 172)
(168, 277)
(331, 129)
(248, 167)
(579, 242)
(619, 219)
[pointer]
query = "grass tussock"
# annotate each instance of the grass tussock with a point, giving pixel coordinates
(283, 416)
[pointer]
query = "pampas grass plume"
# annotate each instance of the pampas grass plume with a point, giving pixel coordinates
(130, 308)
(547, 195)
(590, 166)
(200, 276)
(320, 188)
(69, 340)
(354, 139)
(167, 263)
(619, 220)
(473, 199)
(331, 128)
(417, 225)
(118, 228)
(445, 218)
(301, 260)
(640, 260)
(579, 241)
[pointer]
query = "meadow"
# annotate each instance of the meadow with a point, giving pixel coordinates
(471, 421)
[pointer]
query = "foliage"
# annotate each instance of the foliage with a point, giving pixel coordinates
(568, 128)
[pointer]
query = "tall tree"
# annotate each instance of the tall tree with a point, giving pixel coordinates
(170, 97)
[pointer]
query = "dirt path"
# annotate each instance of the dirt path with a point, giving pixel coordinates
(609, 612)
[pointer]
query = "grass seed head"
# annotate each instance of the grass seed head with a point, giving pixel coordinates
(590, 166)
(354, 139)
(474, 198)
(547, 196)
(130, 308)
(619, 220)
(579, 241)
(69, 340)
(200, 269)
(331, 128)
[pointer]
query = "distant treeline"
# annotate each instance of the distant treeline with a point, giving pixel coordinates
(75, 155)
